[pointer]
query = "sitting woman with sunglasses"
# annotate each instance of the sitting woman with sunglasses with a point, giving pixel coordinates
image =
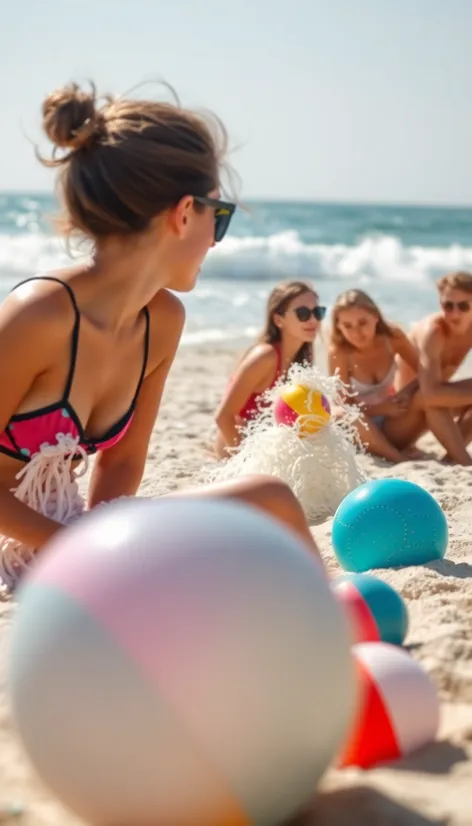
(85, 352)
(363, 350)
(293, 318)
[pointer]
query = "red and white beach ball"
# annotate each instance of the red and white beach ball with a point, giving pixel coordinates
(398, 709)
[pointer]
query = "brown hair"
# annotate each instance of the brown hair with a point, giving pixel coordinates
(359, 299)
(456, 281)
(277, 304)
(127, 160)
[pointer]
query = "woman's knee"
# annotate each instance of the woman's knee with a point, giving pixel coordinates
(269, 493)
(275, 498)
(263, 489)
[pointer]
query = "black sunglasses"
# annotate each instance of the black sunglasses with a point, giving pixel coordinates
(462, 306)
(303, 313)
(224, 211)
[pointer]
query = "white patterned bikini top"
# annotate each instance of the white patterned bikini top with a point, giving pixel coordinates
(376, 392)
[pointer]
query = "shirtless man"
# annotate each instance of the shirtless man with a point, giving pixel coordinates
(443, 340)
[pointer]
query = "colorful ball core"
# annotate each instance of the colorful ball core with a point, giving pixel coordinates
(307, 409)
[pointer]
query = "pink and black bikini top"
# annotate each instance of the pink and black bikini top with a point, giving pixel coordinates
(26, 432)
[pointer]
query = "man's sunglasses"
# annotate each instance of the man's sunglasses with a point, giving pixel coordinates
(224, 211)
(462, 306)
(304, 313)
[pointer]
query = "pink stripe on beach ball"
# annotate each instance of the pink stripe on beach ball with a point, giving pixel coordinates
(283, 413)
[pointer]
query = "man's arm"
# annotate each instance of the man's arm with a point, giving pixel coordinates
(439, 397)
(436, 392)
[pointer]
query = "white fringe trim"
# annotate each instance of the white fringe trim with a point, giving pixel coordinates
(47, 484)
(320, 469)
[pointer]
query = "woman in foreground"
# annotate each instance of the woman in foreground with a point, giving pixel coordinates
(85, 352)
(293, 317)
(363, 349)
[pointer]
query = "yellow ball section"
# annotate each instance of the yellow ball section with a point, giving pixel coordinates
(311, 406)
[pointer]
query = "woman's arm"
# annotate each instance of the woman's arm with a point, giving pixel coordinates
(31, 331)
(19, 521)
(254, 375)
(403, 347)
(118, 471)
(338, 363)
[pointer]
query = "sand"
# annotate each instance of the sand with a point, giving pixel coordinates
(433, 786)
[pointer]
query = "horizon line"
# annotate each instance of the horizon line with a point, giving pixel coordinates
(281, 199)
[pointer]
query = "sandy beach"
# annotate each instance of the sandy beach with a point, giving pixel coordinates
(432, 787)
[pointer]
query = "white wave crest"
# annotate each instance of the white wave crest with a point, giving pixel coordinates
(282, 255)
(373, 257)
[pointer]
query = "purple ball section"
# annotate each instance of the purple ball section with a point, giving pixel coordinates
(325, 403)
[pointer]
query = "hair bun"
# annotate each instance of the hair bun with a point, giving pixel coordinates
(70, 117)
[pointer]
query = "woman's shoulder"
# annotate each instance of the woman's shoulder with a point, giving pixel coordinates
(260, 362)
(338, 350)
(166, 323)
(41, 302)
(38, 315)
(395, 330)
(263, 354)
(167, 309)
(397, 338)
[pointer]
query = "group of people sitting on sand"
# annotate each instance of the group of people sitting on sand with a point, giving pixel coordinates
(401, 382)
(85, 351)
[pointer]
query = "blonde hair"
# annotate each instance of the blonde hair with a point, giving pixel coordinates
(360, 300)
(455, 281)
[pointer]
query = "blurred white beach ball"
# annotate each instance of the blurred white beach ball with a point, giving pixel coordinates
(180, 662)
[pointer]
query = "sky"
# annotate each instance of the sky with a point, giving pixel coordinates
(344, 100)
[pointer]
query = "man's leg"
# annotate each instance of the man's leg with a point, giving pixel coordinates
(449, 434)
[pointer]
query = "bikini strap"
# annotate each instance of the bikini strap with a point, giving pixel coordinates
(145, 358)
(75, 329)
(278, 351)
(350, 356)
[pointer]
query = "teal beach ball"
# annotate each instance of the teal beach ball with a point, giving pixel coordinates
(388, 523)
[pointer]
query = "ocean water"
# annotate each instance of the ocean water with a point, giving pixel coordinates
(395, 253)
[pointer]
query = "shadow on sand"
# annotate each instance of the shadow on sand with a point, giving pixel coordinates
(446, 567)
(362, 806)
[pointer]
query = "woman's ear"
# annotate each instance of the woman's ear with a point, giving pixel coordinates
(178, 216)
(278, 320)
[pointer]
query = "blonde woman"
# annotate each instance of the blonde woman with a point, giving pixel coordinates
(364, 349)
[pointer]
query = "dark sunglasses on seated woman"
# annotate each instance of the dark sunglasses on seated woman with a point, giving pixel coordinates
(303, 313)
(224, 211)
(462, 306)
